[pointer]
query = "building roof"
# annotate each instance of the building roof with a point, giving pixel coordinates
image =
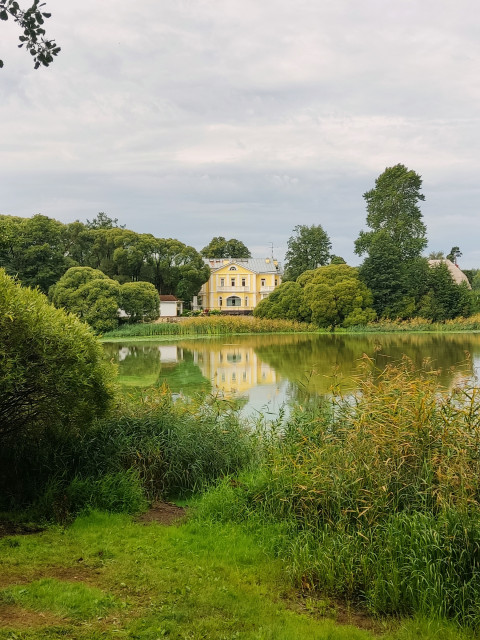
(457, 274)
(168, 298)
(258, 265)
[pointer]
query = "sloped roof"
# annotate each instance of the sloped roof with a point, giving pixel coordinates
(258, 265)
(457, 274)
(168, 298)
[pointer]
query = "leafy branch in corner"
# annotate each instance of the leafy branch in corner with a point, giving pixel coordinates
(31, 22)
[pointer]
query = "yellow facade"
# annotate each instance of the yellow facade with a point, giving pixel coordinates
(233, 368)
(239, 284)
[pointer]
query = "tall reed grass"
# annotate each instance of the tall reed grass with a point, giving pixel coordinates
(149, 447)
(212, 326)
(471, 323)
(379, 494)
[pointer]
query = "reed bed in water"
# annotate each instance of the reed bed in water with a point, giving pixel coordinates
(212, 326)
(471, 323)
(379, 497)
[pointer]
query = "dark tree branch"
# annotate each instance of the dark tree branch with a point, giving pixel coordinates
(31, 21)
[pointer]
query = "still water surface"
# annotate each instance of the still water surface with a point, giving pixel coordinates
(267, 371)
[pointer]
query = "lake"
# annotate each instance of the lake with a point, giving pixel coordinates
(267, 371)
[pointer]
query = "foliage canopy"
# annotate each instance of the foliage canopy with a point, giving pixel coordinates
(39, 250)
(219, 247)
(52, 371)
(328, 296)
(394, 243)
(96, 298)
(309, 248)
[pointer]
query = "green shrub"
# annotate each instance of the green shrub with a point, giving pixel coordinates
(53, 380)
(140, 301)
(52, 372)
(91, 295)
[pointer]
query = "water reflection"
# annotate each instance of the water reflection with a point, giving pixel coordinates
(271, 369)
(232, 368)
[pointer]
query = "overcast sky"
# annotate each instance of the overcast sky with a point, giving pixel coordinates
(243, 118)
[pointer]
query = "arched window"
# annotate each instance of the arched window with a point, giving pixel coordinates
(233, 269)
(234, 301)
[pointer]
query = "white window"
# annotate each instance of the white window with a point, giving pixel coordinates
(220, 301)
(262, 282)
(233, 269)
(222, 282)
(246, 301)
(244, 282)
(233, 282)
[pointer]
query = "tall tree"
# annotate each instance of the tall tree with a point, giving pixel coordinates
(31, 22)
(177, 269)
(395, 241)
(454, 254)
(33, 249)
(103, 221)
(392, 206)
(219, 247)
(308, 249)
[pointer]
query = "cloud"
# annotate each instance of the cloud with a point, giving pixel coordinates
(194, 119)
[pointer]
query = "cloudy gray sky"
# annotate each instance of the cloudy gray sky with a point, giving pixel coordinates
(244, 118)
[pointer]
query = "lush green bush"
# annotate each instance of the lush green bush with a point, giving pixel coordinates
(287, 302)
(97, 299)
(52, 372)
(328, 297)
(53, 379)
(140, 301)
(91, 295)
(174, 447)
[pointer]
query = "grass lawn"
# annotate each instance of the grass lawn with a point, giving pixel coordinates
(106, 576)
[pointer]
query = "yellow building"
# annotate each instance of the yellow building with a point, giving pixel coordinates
(238, 284)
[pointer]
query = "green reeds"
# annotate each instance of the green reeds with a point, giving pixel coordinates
(149, 447)
(380, 494)
(211, 326)
(471, 323)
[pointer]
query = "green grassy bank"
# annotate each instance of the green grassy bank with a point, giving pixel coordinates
(372, 501)
(106, 576)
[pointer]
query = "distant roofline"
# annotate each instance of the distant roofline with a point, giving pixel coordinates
(270, 265)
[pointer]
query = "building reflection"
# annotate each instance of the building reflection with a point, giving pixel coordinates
(233, 368)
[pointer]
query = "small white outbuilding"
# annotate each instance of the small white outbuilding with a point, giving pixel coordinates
(170, 306)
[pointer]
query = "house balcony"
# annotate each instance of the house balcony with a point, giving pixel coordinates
(234, 290)
(268, 289)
